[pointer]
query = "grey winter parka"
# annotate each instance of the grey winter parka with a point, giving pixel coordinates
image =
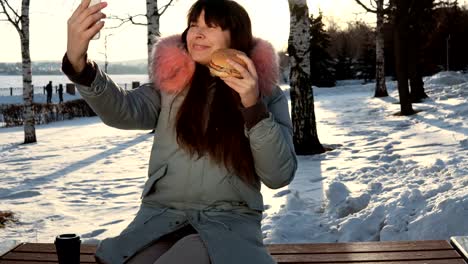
(183, 190)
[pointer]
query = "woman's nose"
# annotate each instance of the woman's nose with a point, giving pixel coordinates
(199, 33)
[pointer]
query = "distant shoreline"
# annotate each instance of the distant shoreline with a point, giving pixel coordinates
(15, 74)
(55, 68)
(40, 80)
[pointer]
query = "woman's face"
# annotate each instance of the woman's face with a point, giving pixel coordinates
(203, 40)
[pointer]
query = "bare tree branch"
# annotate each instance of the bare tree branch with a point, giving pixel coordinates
(164, 8)
(131, 19)
(12, 10)
(15, 23)
(126, 20)
(365, 7)
(386, 10)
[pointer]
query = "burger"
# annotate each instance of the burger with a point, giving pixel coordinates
(220, 67)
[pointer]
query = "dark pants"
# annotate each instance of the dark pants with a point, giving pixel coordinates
(175, 248)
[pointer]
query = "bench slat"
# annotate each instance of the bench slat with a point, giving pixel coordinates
(41, 256)
(443, 261)
(381, 256)
(292, 248)
(396, 252)
(25, 262)
(50, 248)
(359, 247)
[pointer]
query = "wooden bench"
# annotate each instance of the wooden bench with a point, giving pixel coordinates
(398, 252)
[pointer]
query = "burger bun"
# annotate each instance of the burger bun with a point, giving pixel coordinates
(221, 68)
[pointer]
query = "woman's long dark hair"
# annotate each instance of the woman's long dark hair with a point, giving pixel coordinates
(209, 121)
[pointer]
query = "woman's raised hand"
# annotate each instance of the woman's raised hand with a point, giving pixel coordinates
(82, 26)
(247, 86)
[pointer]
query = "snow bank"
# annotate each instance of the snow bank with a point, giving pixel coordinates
(446, 79)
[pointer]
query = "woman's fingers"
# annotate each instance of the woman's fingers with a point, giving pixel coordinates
(241, 86)
(250, 65)
(90, 11)
(77, 12)
(247, 86)
(249, 78)
(81, 7)
(82, 26)
(236, 82)
(94, 30)
(248, 94)
(90, 21)
(243, 71)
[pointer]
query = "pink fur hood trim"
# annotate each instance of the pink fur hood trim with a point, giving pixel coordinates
(173, 68)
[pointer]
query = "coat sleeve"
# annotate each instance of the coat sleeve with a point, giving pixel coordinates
(135, 109)
(271, 142)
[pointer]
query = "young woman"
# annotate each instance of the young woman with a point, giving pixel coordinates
(215, 139)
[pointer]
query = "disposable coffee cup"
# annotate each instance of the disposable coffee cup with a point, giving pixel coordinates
(68, 248)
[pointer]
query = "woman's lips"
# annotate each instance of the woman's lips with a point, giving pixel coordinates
(199, 47)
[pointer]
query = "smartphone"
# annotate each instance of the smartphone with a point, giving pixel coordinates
(94, 2)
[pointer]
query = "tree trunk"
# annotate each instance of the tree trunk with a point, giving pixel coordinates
(28, 93)
(401, 55)
(306, 140)
(153, 28)
(380, 88)
(417, 93)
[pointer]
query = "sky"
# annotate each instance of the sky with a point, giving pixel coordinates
(270, 19)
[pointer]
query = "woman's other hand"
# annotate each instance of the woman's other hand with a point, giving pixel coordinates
(82, 26)
(247, 86)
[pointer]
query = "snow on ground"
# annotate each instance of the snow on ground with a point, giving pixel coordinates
(388, 177)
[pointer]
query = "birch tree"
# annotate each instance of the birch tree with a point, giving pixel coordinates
(306, 139)
(379, 9)
(153, 14)
(20, 22)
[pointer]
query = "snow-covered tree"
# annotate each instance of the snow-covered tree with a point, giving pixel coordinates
(20, 22)
(306, 139)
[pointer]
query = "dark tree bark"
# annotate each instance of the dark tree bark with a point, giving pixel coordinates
(417, 92)
(306, 141)
(422, 23)
(401, 22)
